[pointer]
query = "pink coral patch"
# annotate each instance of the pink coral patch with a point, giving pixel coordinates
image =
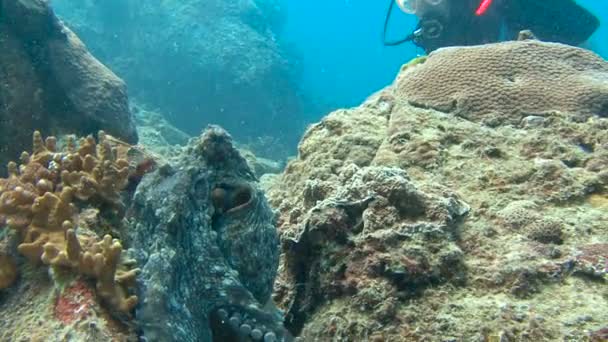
(595, 255)
(74, 303)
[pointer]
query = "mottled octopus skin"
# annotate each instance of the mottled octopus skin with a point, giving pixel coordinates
(200, 252)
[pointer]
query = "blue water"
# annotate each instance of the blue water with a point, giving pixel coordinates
(599, 41)
(335, 51)
(343, 58)
(341, 46)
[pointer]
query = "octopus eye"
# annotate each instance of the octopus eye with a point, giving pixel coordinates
(231, 197)
(242, 196)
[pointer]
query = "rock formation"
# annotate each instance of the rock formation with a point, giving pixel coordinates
(199, 228)
(467, 201)
(198, 61)
(50, 82)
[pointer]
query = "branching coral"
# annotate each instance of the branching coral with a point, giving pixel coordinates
(41, 200)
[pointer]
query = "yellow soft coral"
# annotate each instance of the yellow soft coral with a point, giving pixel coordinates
(40, 200)
(8, 271)
(99, 261)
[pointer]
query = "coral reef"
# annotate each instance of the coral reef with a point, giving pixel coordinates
(42, 198)
(36, 309)
(374, 237)
(202, 61)
(204, 237)
(259, 165)
(164, 140)
(156, 133)
(509, 81)
(49, 79)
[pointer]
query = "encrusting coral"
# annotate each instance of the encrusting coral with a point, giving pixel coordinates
(41, 198)
(508, 81)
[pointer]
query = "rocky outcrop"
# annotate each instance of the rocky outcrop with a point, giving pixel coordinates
(160, 137)
(49, 81)
(197, 61)
(401, 220)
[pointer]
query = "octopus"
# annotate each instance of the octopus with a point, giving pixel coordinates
(206, 241)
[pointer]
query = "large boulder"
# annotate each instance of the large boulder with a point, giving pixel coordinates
(456, 204)
(50, 82)
(198, 61)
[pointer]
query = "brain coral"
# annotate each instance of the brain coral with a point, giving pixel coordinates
(508, 81)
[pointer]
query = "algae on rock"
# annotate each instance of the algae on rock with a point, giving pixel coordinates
(397, 260)
(49, 80)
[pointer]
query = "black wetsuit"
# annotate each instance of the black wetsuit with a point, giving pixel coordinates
(549, 20)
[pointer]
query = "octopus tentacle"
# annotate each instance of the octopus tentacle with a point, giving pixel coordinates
(240, 324)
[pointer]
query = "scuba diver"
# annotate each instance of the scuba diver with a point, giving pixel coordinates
(472, 22)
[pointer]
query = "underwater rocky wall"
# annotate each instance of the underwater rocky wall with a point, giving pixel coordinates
(50, 82)
(198, 62)
(468, 201)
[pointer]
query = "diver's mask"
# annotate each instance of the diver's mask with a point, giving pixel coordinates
(421, 7)
(431, 14)
(428, 29)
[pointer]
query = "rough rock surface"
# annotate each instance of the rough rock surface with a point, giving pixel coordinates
(50, 82)
(158, 136)
(39, 308)
(403, 223)
(198, 61)
(205, 240)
